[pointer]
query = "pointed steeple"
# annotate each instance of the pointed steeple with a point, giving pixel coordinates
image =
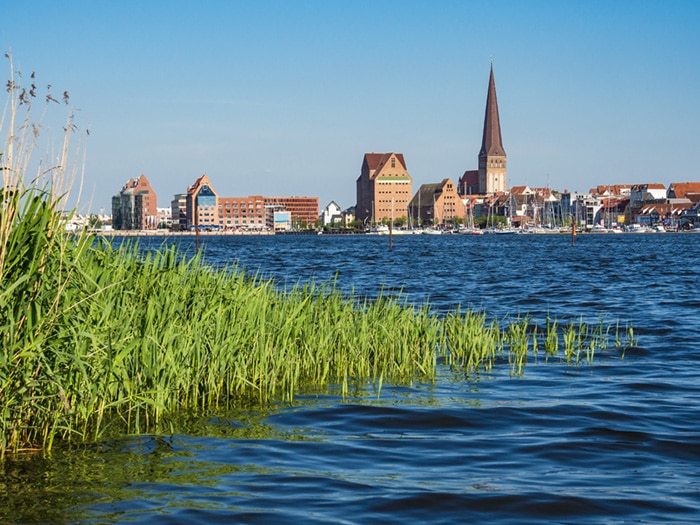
(492, 156)
(491, 142)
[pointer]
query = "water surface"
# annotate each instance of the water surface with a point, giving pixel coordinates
(616, 442)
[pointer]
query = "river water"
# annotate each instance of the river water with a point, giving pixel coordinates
(613, 442)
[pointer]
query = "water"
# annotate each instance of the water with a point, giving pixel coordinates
(616, 442)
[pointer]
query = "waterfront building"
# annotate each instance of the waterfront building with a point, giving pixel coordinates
(165, 217)
(492, 155)
(606, 190)
(134, 207)
(684, 190)
(178, 207)
(647, 193)
(331, 214)
(384, 188)
(201, 206)
(437, 204)
(204, 207)
(242, 212)
(613, 211)
(671, 215)
(303, 210)
(348, 216)
(279, 220)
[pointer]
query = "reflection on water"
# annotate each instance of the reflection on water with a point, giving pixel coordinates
(614, 442)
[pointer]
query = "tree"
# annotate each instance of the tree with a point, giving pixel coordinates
(94, 222)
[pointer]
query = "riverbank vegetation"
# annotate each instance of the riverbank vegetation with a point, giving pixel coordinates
(98, 341)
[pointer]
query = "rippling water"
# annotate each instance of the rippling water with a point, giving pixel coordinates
(615, 442)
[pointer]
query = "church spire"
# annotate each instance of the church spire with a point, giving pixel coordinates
(491, 142)
(492, 156)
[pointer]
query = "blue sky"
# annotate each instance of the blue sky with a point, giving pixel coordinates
(285, 97)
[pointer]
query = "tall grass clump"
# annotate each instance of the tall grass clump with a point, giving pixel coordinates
(37, 261)
(98, 341)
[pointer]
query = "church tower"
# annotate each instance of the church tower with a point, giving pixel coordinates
(492, 156)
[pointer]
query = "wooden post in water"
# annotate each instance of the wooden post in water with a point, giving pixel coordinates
(196, 229)
(391, 226)
(573, 232)
(391, 235)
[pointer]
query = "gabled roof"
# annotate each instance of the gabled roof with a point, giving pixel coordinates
(647, 187)
(685, 190)
(491, 141)
(663, 209)
(376, 161)
(611, 189)
(470, 177)
(520, 190)
(427, 192)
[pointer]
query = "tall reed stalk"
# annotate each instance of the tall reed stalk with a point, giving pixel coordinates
(97, 341)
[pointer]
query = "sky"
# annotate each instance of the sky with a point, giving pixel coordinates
(282, 98)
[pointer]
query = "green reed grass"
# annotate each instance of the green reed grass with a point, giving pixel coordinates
(98, 341)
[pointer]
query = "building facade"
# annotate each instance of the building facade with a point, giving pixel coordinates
(135, 206)
(437, 204)
(242, 212)
(331, 214)
(204, 208)
(384, 188)
(492, 155)
(303, 210)
(468, 183)
(178, 211)
(201, 205)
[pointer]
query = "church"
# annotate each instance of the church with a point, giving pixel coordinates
(491, 177)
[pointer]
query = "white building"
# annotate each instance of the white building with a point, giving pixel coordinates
(331, 214)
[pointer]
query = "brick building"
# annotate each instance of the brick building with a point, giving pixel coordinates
(384, 187)
(437, 204)
(135, 206)
(212, 212)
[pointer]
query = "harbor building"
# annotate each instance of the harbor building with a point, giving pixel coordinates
(437, 204)
(492, 155)
(384, 188)
(303, 210)
(134, 207)
(178, 207)
(206, 209)
(201, 206)
(242, 212)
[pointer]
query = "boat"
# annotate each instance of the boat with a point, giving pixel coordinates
(471, 231)
(379, 229)
(504, 231)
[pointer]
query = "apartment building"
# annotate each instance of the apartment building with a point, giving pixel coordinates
(303, 210)
(204, 207)
(134, 207)
(201, 205)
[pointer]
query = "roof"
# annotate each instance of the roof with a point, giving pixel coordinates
(647, 187)
(376, 161)
(491, 142)
(663, 209)
(199, 182)
(427, 192)
(470, 177)
(685, 190)
(520, 190)
(611, 189)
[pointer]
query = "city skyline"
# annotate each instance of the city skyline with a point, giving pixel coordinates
(286, 98)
